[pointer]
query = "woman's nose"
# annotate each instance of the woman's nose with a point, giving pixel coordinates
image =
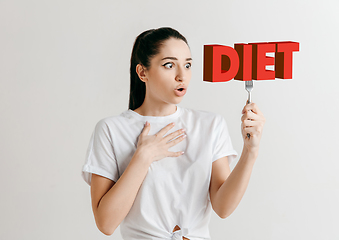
(179, 78)
(180, 75)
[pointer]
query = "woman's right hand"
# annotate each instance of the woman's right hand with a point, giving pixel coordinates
(155, 147)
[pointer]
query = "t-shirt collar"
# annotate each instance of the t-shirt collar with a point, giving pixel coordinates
(167, 118)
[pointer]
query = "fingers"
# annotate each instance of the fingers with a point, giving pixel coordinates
(250, 119)
(250, 116)
(252, 112)
(249, 123)
(173, 135)
(255, 130)
(164, 130)
(161, 133)
(175, 154)
(157, 144)
(251, 107)
(252, 124)
(146, 129)
(177, 140)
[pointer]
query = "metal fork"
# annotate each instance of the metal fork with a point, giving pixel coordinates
(249, 87)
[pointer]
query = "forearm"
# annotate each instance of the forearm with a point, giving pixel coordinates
(117, 202)
(233, 189)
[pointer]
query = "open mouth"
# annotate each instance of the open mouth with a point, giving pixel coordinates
(180, 92)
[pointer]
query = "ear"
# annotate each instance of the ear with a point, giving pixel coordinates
(141, 71)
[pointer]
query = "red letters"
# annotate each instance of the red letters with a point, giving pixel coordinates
(283, 59)
(222, 63)
(260, 61)
(245, 66)
(248, 61)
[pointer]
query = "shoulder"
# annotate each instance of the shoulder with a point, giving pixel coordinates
(110, 122)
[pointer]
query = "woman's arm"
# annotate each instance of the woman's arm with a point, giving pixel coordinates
(111, 201)
(226, 198)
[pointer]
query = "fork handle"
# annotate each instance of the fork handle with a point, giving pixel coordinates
(249, 101)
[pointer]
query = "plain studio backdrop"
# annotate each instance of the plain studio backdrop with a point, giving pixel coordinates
(64, 65)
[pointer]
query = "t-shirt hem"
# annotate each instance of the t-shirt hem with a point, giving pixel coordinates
(231, 156)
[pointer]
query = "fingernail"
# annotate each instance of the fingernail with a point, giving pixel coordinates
(146, 123)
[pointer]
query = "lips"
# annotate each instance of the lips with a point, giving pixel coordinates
(180, 87)
(180, 92)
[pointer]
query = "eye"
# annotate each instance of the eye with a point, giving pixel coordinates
(188, 65)
(168, 65)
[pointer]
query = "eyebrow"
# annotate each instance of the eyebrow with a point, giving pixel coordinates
(174, 58)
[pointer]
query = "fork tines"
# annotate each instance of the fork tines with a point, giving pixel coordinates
(249, 87)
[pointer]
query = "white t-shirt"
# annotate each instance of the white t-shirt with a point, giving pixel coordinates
(175, 190)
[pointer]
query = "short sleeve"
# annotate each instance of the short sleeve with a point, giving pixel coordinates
(223, 144)
(100, 157)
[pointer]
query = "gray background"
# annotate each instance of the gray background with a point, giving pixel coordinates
(64, 65)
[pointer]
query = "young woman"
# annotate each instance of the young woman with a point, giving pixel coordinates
(158, 169)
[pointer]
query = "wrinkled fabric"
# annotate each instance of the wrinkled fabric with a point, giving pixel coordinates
(175, 190)
(179, 234)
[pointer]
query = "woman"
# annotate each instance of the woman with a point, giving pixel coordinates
(145, 174)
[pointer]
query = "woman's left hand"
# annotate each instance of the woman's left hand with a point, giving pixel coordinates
(252, 122)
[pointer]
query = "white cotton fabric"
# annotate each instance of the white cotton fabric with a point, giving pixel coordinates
(175, 190)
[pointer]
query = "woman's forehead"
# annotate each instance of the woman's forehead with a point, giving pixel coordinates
(174, 48)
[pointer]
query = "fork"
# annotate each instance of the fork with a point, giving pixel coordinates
(249, 87)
